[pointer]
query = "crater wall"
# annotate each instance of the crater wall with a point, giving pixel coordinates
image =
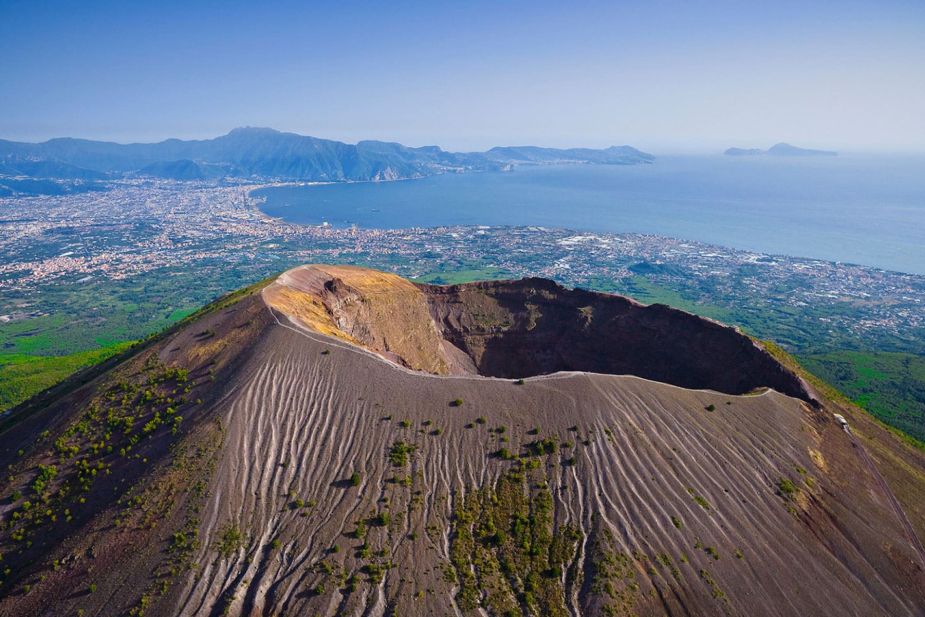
(525, 328)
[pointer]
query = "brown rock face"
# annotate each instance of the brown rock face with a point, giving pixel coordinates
(525, 328)
(377, 310)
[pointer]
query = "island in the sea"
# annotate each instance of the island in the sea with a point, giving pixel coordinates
(781, 149)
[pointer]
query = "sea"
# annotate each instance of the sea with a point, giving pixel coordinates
(867, 210)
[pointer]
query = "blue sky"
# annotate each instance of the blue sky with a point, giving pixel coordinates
(665, 76)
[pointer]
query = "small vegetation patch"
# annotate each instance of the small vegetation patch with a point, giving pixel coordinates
(614, 574)
(399, 453)
(701, 501)
(716, 592)
(786, 488)
(542, 447)
(230, 540)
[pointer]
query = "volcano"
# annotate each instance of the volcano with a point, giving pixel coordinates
(342, 441)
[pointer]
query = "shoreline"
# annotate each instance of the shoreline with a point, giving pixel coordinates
(578, 231)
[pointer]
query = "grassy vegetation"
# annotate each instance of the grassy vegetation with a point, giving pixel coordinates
(82, 321)
(889, 385)
(33, 360)
(506, 554)
(614, 576)
(22, 374)
(133, 415)
(230, 541)
(831, 392)
(647, 292)
(464, 276)
(786, 487)
(399, 453)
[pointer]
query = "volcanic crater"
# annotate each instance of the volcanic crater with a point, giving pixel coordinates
(525, 328)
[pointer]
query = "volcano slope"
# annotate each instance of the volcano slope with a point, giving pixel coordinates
(344, 442)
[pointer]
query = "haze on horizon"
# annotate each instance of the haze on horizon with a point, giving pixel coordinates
(664, 76)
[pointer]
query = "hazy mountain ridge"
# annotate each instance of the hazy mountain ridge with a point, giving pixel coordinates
(780, 149)
(614, 155)
(270, 154)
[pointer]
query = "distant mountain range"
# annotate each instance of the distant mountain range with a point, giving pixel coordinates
(267, 154)
(780, 149)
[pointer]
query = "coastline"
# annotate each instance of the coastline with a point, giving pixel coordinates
(565, 197)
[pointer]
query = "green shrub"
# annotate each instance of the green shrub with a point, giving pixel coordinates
(399, 453)
(504, 454)
(786, 487)
(230, 540)
(46, 474)
(703, 503)
(540, 448)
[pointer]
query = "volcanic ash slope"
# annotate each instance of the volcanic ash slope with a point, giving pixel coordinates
(356, 444)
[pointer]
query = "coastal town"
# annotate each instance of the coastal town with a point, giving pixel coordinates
(157, 231)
